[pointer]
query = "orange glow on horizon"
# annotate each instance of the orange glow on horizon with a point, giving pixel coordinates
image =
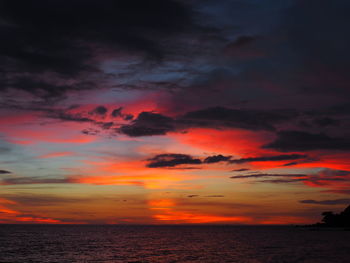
(167, 211)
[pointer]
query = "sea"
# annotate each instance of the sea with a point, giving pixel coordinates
(136, 244)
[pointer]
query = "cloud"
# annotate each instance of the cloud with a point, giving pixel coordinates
(100, 110)
(216, 159)
(166, 210)
(240, 170)
(291, 164)
(304, 141)
(338, 191)
(242, 41)
(334, 181)
(47, 56)
(95, 117)
(326, 121)
(121, 23)
(65, 115)
(283, 157)
(90, 131)
(317, 178)
(171, 160)
(40, 87)
(117, 112)
(148, 124)
(320, 43)
(282, 181)
(333, 173)
(33, 180)
(327, 202)
(5, 172)
(237, 118)
(43, 199)
(259, 175)
(244, 47)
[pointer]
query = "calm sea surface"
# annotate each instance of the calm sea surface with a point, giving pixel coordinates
(68, 243)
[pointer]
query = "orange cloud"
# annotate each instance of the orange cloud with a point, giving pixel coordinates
(8, 215)
(235, 142)
(167, 212)
(284, 220)
(38, 220)
(337, 161)
(184, 217)
(107, 180)
(111, 172)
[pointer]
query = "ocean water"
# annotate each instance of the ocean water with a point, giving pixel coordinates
(253, 244)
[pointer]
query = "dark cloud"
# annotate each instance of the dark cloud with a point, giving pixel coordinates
(240, 170)
(303, 161)
(327, 202)
(171, 160)
(322, 178)
(338, 191)
(214, 196)
(45, 43)
(282, 181)
(259, 175)
(168, 160)
(244, 48)
(304, 141)
(216, 159)
(65, 115)
(39, 24)
(39, 87)
(106, 125)
(90, 131)
(237, 118)
(100, 110)
(93, 117)
(283, 157)
(334, 173)
(190, 196)
(290, 164)
(128, 117)
(5, 172)
(32, 180)
(326, 121)
(338, 110)
(117, 112)
(184, 168)
(318, 39)
(243, 41)
(148, 124)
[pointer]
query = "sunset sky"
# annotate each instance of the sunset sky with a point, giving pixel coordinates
(174, 111)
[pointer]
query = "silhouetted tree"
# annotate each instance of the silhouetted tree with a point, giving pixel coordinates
(337, 220)
(329, 218)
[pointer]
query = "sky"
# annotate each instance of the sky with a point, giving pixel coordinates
(174, 111)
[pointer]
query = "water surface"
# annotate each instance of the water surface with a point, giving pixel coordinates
(254, 244)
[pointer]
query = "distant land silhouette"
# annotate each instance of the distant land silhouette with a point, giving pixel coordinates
(335, 220)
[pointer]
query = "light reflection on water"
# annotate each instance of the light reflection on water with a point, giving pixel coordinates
(254, 244)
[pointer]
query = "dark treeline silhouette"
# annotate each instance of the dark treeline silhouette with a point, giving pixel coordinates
(336, 220)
